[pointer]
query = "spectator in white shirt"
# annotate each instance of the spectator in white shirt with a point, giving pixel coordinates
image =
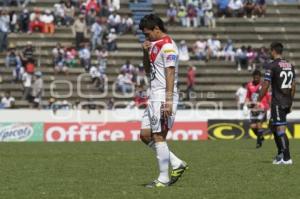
(207, 7)
(141, 78)
(4, 29)
(114, 21)
(235, 8)
(128, 68)
(102, 55)
(183, 51)
(96, 34)
(112, 40)
(200, 49)
(7, 100)
(99, 78)
(37, 90)
(214, 46)
(85, 57)
(48, 20)
(227, 51)
(69, 13)
(129, 24)
(126, 25)
(114, 5)
(171, 14)
(13, 21)
(59, 59)
(59, 13)
(124, 83)
(240, 96)
(27, 82)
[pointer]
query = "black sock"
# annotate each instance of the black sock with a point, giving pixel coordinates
(284, 143)
(286, 147)
(277, 142)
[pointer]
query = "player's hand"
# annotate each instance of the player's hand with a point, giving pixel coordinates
(146, 45)
(257, 106)
(167, 110)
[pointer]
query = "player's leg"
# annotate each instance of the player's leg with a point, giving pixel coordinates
(262, 117)
(276, 140)
(163, 156)
(260, 137)
(146, 137)
(151, 120)
(253, 126)
(282, 140)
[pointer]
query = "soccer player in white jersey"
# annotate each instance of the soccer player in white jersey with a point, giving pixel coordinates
(161, 64)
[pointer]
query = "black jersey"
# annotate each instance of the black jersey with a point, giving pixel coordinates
(281, 74)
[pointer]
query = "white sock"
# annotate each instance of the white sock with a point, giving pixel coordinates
(174, 160)
(163, 158)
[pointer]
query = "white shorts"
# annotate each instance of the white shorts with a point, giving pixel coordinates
(152, 117)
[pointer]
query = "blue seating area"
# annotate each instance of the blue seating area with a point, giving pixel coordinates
(140, 9)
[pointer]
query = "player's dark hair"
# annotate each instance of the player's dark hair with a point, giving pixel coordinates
(244, 84)
(150, 21)
(256, 73)
(277, 47)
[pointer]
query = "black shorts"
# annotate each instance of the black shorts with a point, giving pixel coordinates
(258, 116)
(278, 115)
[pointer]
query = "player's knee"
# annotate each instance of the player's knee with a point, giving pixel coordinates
(158, 137)
(145, 136)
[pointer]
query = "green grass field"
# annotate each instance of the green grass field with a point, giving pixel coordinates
(218, 169)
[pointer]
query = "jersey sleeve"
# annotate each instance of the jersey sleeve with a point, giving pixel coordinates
(169, 55)
(268, 73)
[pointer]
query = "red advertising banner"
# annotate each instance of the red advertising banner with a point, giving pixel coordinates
(117, 131)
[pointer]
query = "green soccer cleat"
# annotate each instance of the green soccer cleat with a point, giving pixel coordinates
(177, 173)
(156, 184)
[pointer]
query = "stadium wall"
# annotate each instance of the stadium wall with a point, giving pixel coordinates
(124, 125)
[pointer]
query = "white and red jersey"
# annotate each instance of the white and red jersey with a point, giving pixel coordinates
(253, 93)
(163, 53)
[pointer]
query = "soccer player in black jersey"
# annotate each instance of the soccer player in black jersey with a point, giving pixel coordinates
(280, 74)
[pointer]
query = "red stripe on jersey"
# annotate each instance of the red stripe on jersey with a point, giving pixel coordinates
(158, 46)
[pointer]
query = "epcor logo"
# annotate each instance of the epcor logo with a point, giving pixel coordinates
(226, 131)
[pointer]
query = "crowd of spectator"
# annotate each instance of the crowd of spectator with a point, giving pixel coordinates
(191, 13)
(198, 13)
(96, 26)
(245, 57)
(131, 77)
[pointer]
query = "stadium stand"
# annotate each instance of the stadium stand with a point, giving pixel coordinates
(216, 80)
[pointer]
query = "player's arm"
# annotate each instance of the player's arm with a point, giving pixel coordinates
(264, 90)
(293, 89)
(170, 57)
(146, 61)
(266, 83)
(170, 79)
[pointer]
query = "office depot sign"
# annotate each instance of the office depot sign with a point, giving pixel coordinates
(117, 131)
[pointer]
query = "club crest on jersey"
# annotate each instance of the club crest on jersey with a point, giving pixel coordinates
(155, 50)
(154, 120)
(171, 58)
